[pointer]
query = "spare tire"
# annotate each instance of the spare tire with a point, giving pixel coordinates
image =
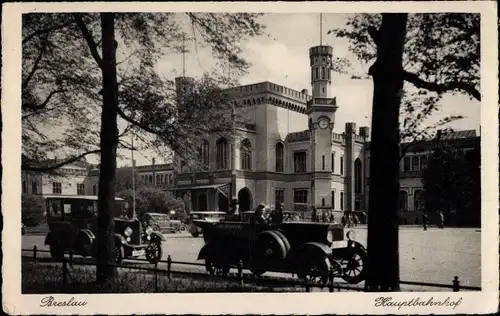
(269, 246)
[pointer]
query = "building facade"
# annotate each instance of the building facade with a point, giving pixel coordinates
(283, 150)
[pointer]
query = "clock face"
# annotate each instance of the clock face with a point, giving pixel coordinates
(323, 123)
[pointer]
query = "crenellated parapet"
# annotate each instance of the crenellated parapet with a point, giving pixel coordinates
(270, 93)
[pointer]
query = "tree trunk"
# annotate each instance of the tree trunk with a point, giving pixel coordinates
(383, 239)
(109, 143)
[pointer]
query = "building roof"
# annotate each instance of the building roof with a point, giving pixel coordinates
(298, 136)
(470, 133)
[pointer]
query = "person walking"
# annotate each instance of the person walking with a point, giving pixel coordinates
(324, 217)
(314, 215)
(258, 215)
(424, 220)
(332, 217)
(441, 219)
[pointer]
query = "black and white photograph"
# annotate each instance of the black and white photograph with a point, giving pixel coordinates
(292, 151)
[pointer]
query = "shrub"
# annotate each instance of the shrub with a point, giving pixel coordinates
(32, 209)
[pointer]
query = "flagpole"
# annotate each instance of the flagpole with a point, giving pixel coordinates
(133, 179)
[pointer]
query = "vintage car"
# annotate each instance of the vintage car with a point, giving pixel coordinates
(211, 217)
(308, 250)
(163, 223)
(73, 226)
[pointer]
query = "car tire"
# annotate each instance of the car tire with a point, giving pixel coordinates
(154, 252)
(315, 268)
(195, 234)
(353, 267)
(57, 251)
(268, 249)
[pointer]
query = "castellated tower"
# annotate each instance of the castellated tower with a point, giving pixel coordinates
(321, 111)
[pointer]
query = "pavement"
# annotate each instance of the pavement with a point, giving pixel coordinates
(434, 256)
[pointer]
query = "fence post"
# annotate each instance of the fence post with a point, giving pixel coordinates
(34, 253)
(65, 271)
(308, 288)
(240, 272)
(456, 284)
(169, 266)
(156, 277)
(330, 279)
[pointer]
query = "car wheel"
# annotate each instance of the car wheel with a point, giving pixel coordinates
(57, 251)
(182, 228)
(195, 234)
(156, 228)
(269, 247)
(315, 269)
(154, 252)
(353, 265)
(119, 253)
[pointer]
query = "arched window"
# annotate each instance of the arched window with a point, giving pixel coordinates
(246, 154)
(358, 182)
(204, 153)
(279, 157)
(158, 179)
(323, 73)
(150, 179)
(317, 72)
(423, 162)
(406, 164)
(403, 201)
(170, 179)
(418, 202)
(222, 154)
(415, 166)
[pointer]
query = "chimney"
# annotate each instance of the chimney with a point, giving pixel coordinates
(304, 91)
(350, 128)
(364, 131)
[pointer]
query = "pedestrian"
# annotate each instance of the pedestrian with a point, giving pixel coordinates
(424, 220)
(324, 217)
(344, 221)
(314, 215)
(332, 218)
(441, 219)
(277, 214)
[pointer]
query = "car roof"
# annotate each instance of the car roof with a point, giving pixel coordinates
(209, 213)
(76, 197)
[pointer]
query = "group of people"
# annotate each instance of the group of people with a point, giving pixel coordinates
(325, 217)
(425, 220)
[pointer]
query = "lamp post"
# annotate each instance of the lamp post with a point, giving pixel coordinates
(133, 180)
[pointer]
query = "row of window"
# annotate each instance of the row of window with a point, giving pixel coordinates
(34, 187)
(418, 202)
(414, 163)
(300, 196)
(160, 179)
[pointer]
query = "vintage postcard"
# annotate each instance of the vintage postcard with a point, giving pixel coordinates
(250, 158)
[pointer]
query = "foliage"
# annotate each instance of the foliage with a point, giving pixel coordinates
(441, 55)
(62, 79)
(124, 179)
(151, 200)
(32, 209)
(452, 184)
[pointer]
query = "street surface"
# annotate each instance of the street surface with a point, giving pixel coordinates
(435, 255)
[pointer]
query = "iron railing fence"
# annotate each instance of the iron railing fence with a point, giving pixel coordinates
(159, 274)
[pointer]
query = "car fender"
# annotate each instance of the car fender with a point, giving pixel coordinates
(157, 236)
(204, 252)
(120, 240)
(84, 237)
(54, 236)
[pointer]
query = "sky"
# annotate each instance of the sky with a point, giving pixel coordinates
(282, 57)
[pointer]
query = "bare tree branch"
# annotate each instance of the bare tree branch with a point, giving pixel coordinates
(44, 31)
(35, 107)
(35, 65)
(444, 87)
(89, 38)
(27, 167)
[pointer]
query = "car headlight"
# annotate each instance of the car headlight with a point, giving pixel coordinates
(149, 230)
(128, 239)
(351, 235)
(128, 231)
(329, 236)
